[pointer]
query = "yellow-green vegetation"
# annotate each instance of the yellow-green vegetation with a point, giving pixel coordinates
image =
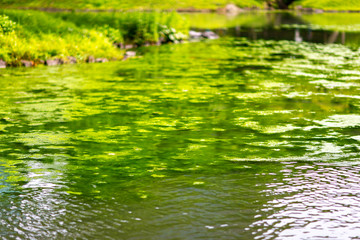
(338, 5)
(38, 36)
(15, 47)
(130, 4)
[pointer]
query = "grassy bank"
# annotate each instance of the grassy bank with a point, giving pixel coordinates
(38, 36)
(130, 4)
(335, 5)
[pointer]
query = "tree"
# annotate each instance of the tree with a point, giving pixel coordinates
(280, 4)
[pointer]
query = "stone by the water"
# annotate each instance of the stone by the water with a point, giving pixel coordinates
(195, 34)
(26, 63)
(53, 62)
(129, 46)
(130, 54)
(72, 60)
(198, 35)
(210, 35)
(2, 64)
(230, 9)
(101, 60)
(90, 59)
(118, 45)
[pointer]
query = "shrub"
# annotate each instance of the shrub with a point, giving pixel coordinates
(171, 35)
(6, 25)
(113, 34)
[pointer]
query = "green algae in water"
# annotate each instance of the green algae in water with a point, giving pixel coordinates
(200, 139)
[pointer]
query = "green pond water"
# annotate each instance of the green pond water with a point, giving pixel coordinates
(223, 139)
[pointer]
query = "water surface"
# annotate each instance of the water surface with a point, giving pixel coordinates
(224, 139)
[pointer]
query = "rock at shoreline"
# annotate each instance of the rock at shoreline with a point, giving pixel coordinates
(53, 62)
(210, 35)
(129, 54)
(2, 64)
(300, 8)
(193, 10)
(101, 60)
(90, 59)
(72, 60)
(207, 34)
(26, 63)
(230, 9)
(161, 41)
(118, 45)
(129, 46)
(195, 34)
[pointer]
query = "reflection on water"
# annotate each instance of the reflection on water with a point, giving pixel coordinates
(297, 35)
(228, 139)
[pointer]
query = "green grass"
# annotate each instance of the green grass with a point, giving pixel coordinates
(41, 35)
(137, 27)
(171, 4)
(129, 4)
(330, 4)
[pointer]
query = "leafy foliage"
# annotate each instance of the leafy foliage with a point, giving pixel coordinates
(134, 27)
(43, 35)
(6, 25)
(113, 34)
(171, 35)
(281, 4)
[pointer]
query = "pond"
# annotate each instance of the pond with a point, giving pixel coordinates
(233, 138)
